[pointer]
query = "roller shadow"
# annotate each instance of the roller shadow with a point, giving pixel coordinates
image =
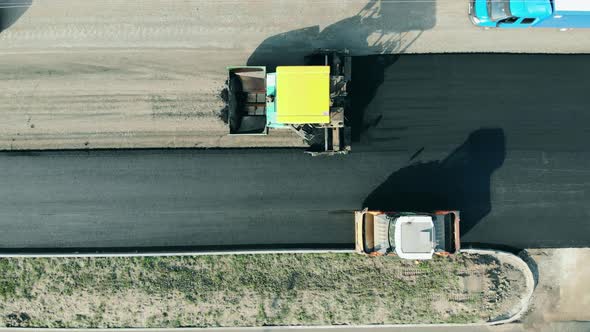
(459, 182)
(11, 11)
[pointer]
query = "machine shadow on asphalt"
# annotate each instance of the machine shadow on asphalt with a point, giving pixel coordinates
(368, 73)
(11, 11)
(374, 36)
(367, 76)
(380, 27)
(461, 181)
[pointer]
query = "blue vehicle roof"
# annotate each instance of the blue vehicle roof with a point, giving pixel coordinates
(567, 20)
(568, 14)
(531, 8)
(572, 5)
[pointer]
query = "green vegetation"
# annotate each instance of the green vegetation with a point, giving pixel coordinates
(238, 290)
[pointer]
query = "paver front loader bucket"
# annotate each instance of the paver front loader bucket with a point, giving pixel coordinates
(246, 100)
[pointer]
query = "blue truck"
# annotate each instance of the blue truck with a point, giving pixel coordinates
(561, 14)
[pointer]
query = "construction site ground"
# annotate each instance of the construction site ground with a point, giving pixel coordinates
(110, 74)
(562, 293)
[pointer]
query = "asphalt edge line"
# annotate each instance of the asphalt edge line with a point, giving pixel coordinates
(180, 253)
(503, 256)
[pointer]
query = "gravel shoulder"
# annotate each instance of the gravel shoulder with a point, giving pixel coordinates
(562, 293)
(255, 290)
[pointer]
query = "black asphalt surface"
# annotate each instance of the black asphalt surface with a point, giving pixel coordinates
(503, 138)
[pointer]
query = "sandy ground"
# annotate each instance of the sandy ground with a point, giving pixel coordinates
(114, 74)
(104, 99)
(563, 291)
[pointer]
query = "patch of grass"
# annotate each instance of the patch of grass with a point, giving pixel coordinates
(261, 315)
(17, 278)
(273, 289)
(463, 318)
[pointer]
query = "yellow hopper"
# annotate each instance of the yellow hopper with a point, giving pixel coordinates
(303, 94)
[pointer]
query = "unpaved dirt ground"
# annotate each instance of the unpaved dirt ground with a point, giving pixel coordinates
(563, 291)
(108, 99)
(254, 290)
(111, 74)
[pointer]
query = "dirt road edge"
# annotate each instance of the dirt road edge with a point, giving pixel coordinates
(509, 258)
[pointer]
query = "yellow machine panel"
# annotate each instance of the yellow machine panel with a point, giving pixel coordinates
(303, 94)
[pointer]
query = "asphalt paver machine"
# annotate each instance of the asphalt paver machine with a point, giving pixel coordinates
(312, 100)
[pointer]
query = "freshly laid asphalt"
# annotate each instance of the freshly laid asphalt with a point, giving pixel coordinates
(503, 138)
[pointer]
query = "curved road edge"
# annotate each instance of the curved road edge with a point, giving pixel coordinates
(518, 262)
(502, 256)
